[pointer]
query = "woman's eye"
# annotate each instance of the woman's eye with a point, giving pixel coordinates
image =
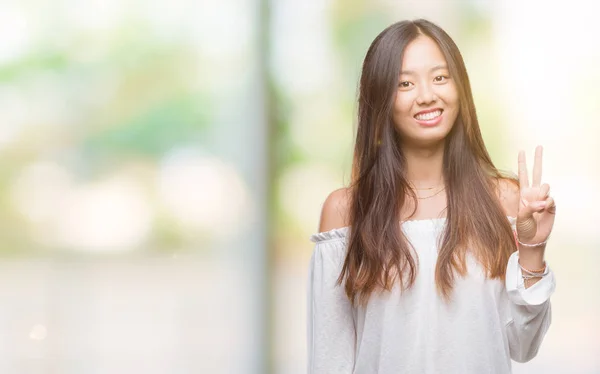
(440, 78)
(404, 84)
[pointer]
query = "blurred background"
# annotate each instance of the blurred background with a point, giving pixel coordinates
(163, 164)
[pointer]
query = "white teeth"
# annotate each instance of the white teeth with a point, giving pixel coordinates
(428, 116)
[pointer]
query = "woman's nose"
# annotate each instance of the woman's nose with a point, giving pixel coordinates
(426, 95)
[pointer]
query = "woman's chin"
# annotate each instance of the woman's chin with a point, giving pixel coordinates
(425, 142)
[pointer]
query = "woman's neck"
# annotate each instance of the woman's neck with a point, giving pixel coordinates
(425, 166)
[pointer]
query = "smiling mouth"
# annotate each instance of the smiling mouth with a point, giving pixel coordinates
(429, 116)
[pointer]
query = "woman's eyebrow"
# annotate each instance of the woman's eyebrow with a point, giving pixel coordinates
(436, 67)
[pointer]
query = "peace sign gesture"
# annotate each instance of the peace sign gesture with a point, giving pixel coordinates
(536, 208)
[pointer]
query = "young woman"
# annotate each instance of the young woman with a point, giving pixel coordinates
(431, 261)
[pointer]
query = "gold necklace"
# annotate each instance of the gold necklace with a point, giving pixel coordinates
(426, 189)
(422, 189)
(427, 197)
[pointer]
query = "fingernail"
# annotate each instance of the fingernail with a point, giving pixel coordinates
(540, 205)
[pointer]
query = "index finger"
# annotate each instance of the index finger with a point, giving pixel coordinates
(523, 177)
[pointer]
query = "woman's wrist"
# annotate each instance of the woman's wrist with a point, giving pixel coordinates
(531, 259)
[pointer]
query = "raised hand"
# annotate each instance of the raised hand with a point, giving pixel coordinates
(536, 209)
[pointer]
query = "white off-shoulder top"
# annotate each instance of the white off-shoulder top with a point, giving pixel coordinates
(488, 323)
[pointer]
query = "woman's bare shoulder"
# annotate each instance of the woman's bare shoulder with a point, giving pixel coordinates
(334, 214)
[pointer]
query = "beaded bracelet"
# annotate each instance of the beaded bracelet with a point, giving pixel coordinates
(540, 271)
(528, 245)
(527, 274)
(532, 245)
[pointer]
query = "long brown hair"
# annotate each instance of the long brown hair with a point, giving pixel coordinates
(378, 251)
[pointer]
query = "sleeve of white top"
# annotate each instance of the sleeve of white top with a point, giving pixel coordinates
(331, 330)
(530, 311)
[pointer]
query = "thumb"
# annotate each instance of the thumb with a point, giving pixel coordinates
(528, 208)
(526, 223)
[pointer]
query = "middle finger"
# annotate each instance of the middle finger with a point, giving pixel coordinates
(537, 167)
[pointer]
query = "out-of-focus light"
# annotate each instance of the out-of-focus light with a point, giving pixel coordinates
(111, 215)
(46, 91)
(38, 332)
(40, 190)
(203, 192)
(14, 111)
(230, 20)
(95, 15)
(307, 67)
(16, 33)
(303, 190)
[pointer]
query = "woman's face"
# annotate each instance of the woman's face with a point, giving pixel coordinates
(426, 103)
